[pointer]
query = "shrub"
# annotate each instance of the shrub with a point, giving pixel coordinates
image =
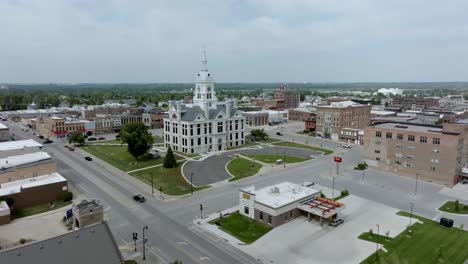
(344, 193)
(68, 196)
(22, 241)
(361, 166)
(323, 195)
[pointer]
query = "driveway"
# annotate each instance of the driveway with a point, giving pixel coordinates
(213, 168)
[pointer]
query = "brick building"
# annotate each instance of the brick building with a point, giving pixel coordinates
(430, 153)
(300, 114)
(331, 119)
(291, 98)
(415, 103)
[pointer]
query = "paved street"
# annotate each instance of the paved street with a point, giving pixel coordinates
(171, 233)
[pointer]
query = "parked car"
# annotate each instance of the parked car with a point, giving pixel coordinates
(346, 146)
(88, 158)
(48, 141)
(71, 149)
(91, 139)
(41, 137)
(139, 198)
(101, 138)
(336, 222)
(279, 133)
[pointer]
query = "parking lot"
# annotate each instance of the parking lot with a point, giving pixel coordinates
(300, 241)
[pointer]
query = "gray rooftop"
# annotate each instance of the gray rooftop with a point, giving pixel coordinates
(93, 244)
(409, 127)
(190, 113)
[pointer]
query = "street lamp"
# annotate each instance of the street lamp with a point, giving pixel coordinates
(152, 185)
(144, 242)
(416, 185)
(377, 243)
(191, 183)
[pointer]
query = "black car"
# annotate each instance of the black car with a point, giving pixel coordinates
(41, 137)
(139, 198)
(48, 141)
(92, 139)
(279, 133)
(88, 158)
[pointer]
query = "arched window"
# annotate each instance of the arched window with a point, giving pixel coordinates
(174, 116)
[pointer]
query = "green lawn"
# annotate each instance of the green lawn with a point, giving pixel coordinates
(195, 155)
(112, 141)
(242, 168)
(119, 157)
(450, 207)
(272, 158)
(297, 145)
(171, 180)
(427, 243)
(245, 229)
(249, 144)
(18, 213)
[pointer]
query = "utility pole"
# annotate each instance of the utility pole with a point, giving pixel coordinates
(377, 243)
(333, 188)
(363, 175)
(191, 183)
(201, 211)
(416, 185)
(411, 213)
(284, 158)
(152, 185)
(144, 242)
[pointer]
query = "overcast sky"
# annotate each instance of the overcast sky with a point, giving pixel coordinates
(246, 41)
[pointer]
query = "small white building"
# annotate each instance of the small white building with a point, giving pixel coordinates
(277, 204)
(4, 133)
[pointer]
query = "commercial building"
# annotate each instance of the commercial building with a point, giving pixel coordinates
(19, 147)
(206, 125)
(35, 191)
(281, 203)
(26, 166)
(107, 123)
(256, 118)
(4, 133)
(58, 127)
(301, 114)
(331, 119)
(310, 124)
(429, 153)
(93, 244)
(415, 103)
(291, 98)
(352, 135)
(5, 213)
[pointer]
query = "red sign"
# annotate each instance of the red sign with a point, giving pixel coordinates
(337, 159)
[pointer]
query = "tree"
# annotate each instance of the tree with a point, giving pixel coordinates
(176, 262)
(259, 134)
(457, 205)
(169, 160)
(138, 138)
(76, 137)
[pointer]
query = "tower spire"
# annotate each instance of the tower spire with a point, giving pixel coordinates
(204, 61)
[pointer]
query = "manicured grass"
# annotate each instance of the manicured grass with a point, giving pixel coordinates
(112, 141)
(18, 213)
(297, 145)
(426, 243)
(273, 158)
(450, 207)
(245, 229)
(270, 140)
(171, 180)
(119, 157)
(242, 168)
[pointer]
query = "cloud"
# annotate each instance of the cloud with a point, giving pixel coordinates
(247, 40)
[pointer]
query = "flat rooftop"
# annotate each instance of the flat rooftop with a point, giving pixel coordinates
(18, 160)
(19, 144)
(16, 186)
(409, 127)
(279, 195)
(382, 112)
(341, 105)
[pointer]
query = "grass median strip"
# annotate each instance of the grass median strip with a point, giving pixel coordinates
(245, 229)
(171, 180)
(272, 158)
(428, 242)
(297, 145)
(242, 168)
(454, 207)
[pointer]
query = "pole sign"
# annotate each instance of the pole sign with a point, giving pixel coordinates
(337, 159)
